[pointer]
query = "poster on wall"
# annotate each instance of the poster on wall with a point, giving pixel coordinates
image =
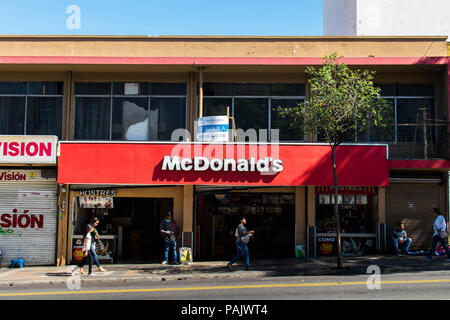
(96, 202)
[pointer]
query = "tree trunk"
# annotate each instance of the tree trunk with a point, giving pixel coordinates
(336, 211)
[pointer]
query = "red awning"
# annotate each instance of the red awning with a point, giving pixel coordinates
(174, 164)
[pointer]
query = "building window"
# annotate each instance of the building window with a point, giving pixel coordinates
(129, 111)
(31, 108)
(406, 101)
(253, 105)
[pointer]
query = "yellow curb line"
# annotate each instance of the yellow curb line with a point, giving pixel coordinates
(294, 285)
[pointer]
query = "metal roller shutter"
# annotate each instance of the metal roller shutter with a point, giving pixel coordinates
(32, 234)
(412, 204)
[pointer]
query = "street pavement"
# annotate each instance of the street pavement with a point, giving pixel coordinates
(216, 270)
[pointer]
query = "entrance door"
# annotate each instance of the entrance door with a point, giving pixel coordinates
(139, 218)
(272, 216)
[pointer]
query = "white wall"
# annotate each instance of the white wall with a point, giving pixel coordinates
(339, 17)
(387, 17)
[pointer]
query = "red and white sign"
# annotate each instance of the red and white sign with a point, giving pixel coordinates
(150, 164)
(28, 149)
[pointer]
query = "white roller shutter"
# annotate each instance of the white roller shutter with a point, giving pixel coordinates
(28, 219)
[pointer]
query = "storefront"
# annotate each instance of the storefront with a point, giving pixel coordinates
(129, 221)
(358, 207)
(28, 199)
(271, 213)
(208, 187)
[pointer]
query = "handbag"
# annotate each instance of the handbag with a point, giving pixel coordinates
(443, 234)
(246, 239)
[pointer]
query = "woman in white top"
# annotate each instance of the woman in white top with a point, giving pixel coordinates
(87, 242)
(439, 224)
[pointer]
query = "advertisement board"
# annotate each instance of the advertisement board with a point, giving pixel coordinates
(28, 149)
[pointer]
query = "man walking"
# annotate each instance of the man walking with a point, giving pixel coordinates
(243, 237)
(440, 234)
(400, 239)
(169, 232)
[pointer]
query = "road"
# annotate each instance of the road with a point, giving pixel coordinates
(418, 285)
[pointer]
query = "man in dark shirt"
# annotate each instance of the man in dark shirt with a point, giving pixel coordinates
(169, 232)
(400, 239)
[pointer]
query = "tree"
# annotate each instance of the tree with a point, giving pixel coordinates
(342, 103)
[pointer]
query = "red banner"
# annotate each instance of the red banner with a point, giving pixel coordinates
(232, 164)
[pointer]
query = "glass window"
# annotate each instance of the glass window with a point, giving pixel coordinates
(130, 88)
(218, 89)
(251, 89)
(133, 110)
(92, 118)
(12, 87)
(415, 90)
(12, 119)
(378, 134)
(130, 119)
(216, 106)
(251, 113)
(44, 116)
(168, 89)
(286, 131)
(45, 88)
(386, 89)
(90, 88)
(288, 89)
(166, 115)
(408, 112)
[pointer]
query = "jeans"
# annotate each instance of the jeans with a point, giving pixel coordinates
(94, 256)
(437, 239)
(167, 246)
(242, 249)
(405, 245)
(88, 259)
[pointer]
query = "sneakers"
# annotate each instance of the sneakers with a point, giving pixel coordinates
(229, 267)
(91, 275)
(164, 262)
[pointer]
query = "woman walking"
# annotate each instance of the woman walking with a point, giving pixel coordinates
(87, 243)
(440, 234)
(95, 238)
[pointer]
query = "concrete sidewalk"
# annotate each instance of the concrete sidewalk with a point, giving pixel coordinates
(218, 270)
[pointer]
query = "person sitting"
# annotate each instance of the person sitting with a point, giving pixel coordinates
(400, 239)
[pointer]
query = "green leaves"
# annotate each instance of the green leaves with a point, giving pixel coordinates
(342, 101)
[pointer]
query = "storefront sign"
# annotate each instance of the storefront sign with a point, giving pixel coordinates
(326, 245)
(240, 165)
(99, 193)
(213, 129)
(23, 176)
(225, 164)
(347, 190)
(28, 149)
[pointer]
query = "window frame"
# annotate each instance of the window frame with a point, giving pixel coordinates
(269, 105)
(111, 97)
(26, 95)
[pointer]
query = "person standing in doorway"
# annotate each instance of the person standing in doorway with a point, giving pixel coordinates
(95, 238)
(440, 227)
(87, 257)
(242, 238)
(169, 232)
